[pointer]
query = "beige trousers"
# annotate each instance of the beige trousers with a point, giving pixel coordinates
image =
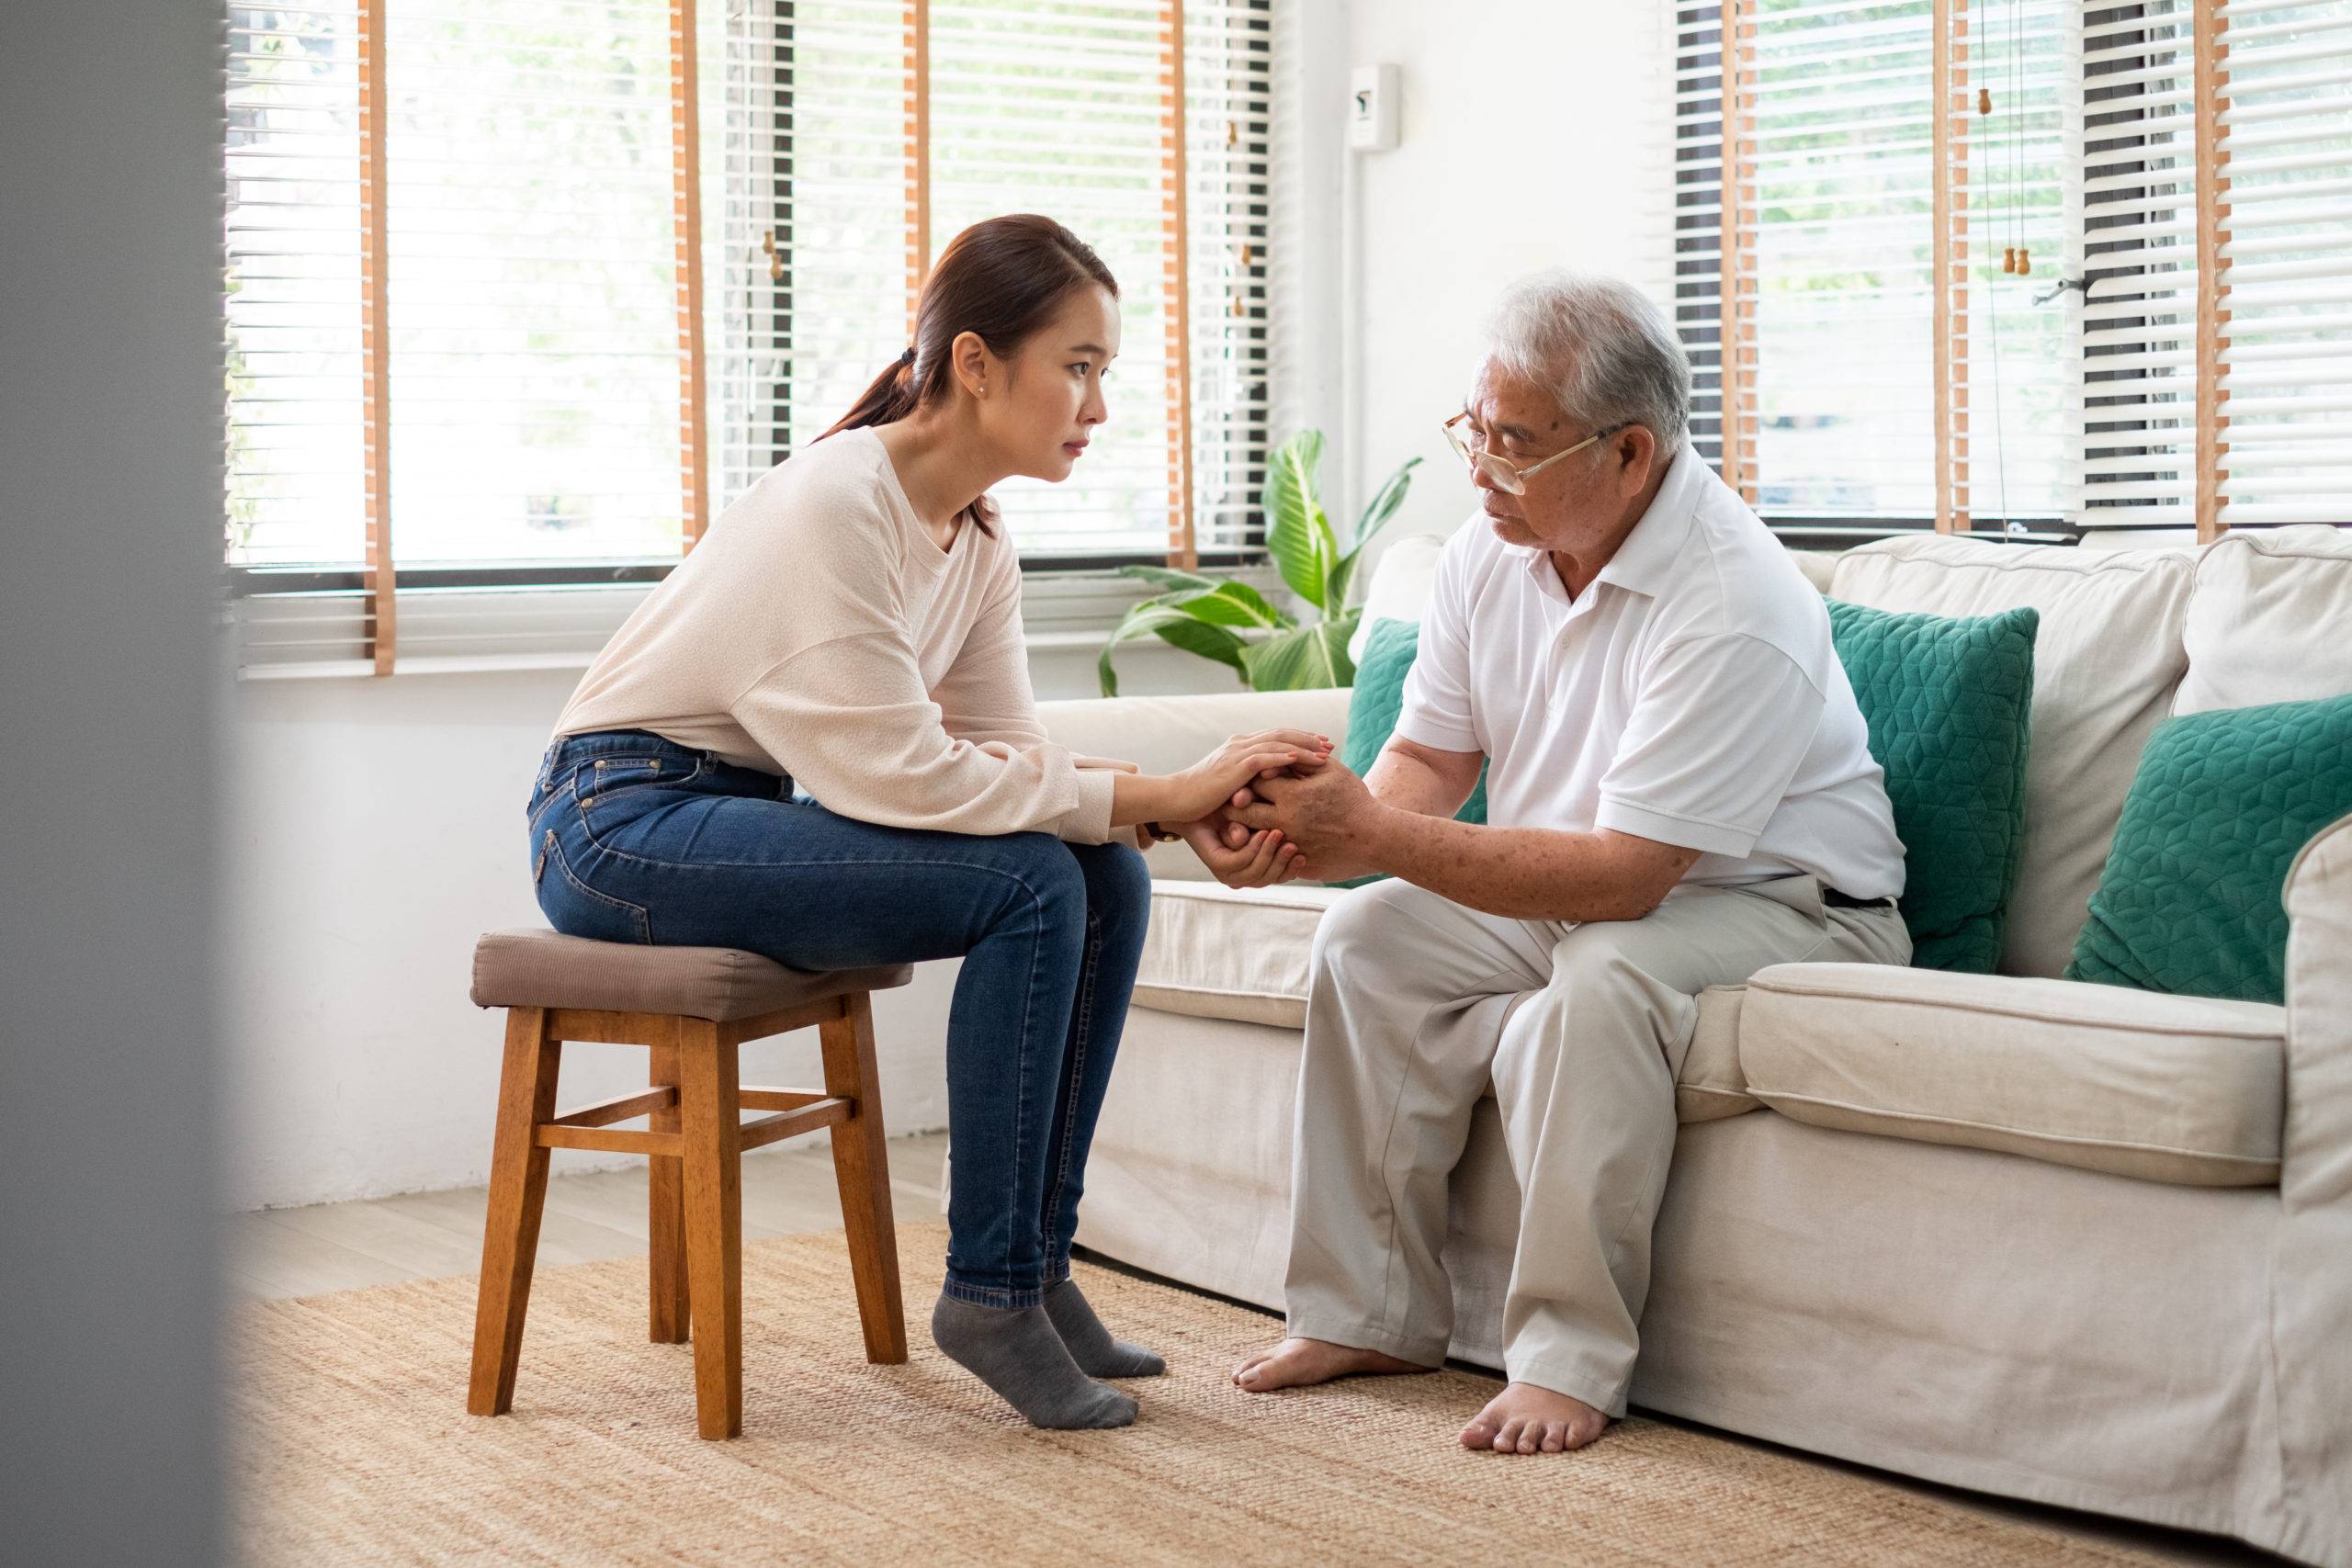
(1416, 1005)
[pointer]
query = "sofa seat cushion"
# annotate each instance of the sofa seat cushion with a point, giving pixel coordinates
(2183, 1090)
(1237, 953)
(1246, 954)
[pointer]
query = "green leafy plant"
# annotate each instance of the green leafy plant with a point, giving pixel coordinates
(1235, 625)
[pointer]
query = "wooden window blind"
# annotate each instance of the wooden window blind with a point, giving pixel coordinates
(751, 62)
(845, 267)
(1141, 124)
(2275, 88)
(2005, 379)
(1061, 109)
(566, 278)
(1706, 234)
(2143, 276)
(2006, 262)
(298, 379)
(1229, 129)
(1803, 206)
(542, 334)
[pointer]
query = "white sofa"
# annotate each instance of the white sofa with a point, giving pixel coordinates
(2059, 1241)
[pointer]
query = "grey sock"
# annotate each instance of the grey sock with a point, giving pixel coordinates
(1016, 1352)
(1091, 1345)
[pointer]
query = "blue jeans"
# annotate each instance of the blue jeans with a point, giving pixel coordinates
(634, 839)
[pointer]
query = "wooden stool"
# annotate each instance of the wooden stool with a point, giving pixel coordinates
(694, 1007)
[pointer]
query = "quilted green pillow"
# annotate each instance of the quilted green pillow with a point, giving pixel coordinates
(1947, 700)
(1376, 705)
(2191, 899)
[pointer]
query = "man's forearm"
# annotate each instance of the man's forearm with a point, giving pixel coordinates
(1527, 874)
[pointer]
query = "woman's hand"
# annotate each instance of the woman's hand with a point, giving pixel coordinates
(1189, 795)
(1239, 858)
(1209, 783)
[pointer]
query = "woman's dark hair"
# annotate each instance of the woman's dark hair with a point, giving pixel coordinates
(1002, 278)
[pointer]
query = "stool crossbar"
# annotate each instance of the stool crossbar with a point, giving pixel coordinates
(693, 1009)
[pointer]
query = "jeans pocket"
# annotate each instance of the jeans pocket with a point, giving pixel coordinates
(602, 776)
(614, 790)
(577, 909)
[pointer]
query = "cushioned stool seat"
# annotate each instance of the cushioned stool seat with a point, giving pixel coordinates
(546, 969)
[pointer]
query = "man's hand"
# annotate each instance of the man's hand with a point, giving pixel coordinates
(1239, 858)
(1326, 813)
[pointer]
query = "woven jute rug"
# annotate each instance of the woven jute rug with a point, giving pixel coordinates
(353, 1446)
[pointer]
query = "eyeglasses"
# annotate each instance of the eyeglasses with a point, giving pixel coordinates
(1507, 477)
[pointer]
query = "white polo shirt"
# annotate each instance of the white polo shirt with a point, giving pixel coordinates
(1689, 694)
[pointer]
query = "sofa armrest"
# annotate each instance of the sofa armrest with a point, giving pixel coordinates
(2310, 1292)
(2316, 1154)
(1161, 735)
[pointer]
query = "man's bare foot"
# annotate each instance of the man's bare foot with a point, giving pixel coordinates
(1294, 1363)
(1526, 1420)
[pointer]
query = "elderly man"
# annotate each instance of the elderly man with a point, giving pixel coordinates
(1680, 795)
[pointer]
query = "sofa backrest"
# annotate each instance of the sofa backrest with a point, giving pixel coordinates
(2270, 620)
(1401, 580)
(2105, 661)
(2126, 637)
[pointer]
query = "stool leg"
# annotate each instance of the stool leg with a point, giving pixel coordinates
(862, 1167)
(518, 1190)
(708, 1090)
(665, 1186)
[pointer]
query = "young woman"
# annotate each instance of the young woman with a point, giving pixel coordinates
(816, 741)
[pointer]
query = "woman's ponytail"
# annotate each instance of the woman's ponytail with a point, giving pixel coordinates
(892, 395)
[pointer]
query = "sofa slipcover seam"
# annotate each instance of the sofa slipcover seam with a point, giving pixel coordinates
(1219, 991)
(1784, 989)
(1767, 1095)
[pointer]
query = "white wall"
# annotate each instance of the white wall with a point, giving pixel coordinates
(1535, 133)
(376, 824)
(374, 829)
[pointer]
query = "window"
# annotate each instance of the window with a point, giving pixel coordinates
(2019, 265)
(527, 290)
(1851, 401)
(2140, 309)
(530, 334)
(2284, 152)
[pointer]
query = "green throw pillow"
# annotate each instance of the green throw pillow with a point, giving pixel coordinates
(1948, 702)
(2191, 899)
(1376, 705)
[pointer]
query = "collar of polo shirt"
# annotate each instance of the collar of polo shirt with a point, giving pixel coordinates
(1645, 562)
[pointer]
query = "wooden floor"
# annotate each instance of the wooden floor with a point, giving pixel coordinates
(787, 1189)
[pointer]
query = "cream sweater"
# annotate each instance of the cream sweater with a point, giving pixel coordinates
(817, 631)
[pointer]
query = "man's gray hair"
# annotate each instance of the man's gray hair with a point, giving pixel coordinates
(1607, 353)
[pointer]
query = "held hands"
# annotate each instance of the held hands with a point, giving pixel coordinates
(1194, 802)
(1239, 858)
(1235, 855)
(1325, 814)
(1204, 786)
